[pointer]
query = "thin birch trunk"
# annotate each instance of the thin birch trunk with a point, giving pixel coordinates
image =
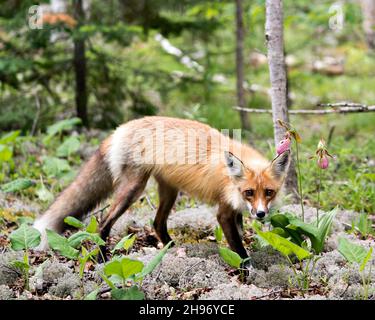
(278, 78)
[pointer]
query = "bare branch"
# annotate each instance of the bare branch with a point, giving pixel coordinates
(355, 109)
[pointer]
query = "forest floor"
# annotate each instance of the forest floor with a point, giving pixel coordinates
(192, 269)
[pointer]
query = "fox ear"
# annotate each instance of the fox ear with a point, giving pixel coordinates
(280, 165)
(234, 165)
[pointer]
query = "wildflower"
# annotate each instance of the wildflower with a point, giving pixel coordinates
(322, 154)
(283, 146)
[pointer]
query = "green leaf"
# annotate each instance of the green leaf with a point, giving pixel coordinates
(61, 244)
(60, 126)
(44, 194)
(282, 245)
(318, 234)
(74, 222)
(9, 137)
(282, 221)
(132, 293)
(125, 243)
(352, 252)
(6, 153)
(77, 238)
(365, 260)
(24, 237)
(218, 234)
(123, 268)
(120, 244)
(53, 167)
(20, 265)
(128, 243)
(92, 295)
(230, 257)
(69, 146)
(131, 267)
(155, 261)
(85, 257)
(17, 185)
(92, 226)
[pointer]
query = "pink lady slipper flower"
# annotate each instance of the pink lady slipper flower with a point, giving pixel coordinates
(323, 162)
(322, 154)
(283, 146)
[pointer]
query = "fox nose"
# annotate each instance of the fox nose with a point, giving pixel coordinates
(261, 214)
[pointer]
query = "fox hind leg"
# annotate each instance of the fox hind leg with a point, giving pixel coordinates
(127, 192)
(167, 198)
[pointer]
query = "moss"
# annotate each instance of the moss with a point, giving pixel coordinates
(6, 293)
(233, 291)
(8, 273)
(266, 257)
(66, 286)
(53, 271)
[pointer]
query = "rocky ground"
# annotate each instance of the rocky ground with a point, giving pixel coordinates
(193, 268)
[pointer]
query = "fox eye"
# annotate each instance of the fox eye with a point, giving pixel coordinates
(249, 193)
(269, 192)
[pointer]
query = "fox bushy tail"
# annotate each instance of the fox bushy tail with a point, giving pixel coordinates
(93, 184)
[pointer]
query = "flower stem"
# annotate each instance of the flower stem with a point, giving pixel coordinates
(300, 183)
(318, 206)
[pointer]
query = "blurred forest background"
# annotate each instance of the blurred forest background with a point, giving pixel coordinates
(92, 65)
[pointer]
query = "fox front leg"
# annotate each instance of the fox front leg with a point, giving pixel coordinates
(229, 222)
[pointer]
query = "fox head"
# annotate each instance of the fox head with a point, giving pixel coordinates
(256, 189)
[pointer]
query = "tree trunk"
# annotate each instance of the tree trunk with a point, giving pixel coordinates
(278, 78)
(368, 12)
(79, 62)
(240, 65)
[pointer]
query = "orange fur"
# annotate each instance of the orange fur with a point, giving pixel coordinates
(182, 155)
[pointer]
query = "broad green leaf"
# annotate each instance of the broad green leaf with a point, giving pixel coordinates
(230, 257)
(77, 238)
(113, 267)
(123, 268)
(9, 137)
(283, 245)
(60, 126)
(281, 232)
(44, 194)
(131, 267)
(53, 167)
(6, 153)
(132, 293)
(318, 234)
(24, 237)
(282, 221)
(92, 226)
(26, 220)
(155, 261)
(92, 295)
(69, 146)
(17, 185)
(74, 222)
(61, 244)
(352, 252)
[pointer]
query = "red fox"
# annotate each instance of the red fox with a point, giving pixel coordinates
(181, 155)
